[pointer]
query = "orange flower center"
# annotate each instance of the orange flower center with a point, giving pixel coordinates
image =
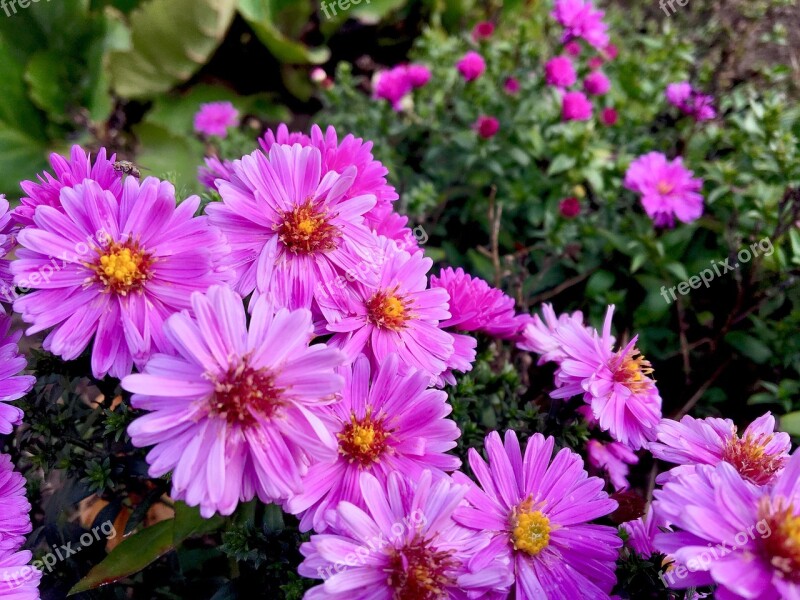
(632, 371)
(122, 267)
(387, 310)
(664, 187)
(306, 230)
(245, 395)
(363, 440)
(420, 572)
(750, 458)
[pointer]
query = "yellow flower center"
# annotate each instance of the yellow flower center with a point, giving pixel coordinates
(386, 310)
(307, 229)
(531, 529)
(363, 440)
(782, 540)
(122, 267)
(749, 456)
(632, 371)
(664, 187)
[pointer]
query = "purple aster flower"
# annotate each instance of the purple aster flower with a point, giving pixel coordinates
(392, 85)
(18, 580)
(291, 225)
(15, 523)
(668, 189)
(471, 66)
(68, 174)
(642, 532)
(397, 314)
(539, 336)
(404, 545)
(559, 72)
(739, 536)
(581, 20)
(612, 458)
(759, 455)
(12, 385)
(113, 270)
(596, 83)
(8, 231)
(690, 101)
(537, 514)
(214, 118)
(384, 423)
(575, 106)
(616, 385)
(234, 411)
(418, 74)
(213, 170)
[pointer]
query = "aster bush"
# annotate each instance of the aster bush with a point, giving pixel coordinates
(506, 308)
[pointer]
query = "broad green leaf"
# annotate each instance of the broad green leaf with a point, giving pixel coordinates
(560, 163)
(170, 41)
(45, 73)
(23, 158)
(749, 346)
(189, 523)
(791, 423)
(169, 156)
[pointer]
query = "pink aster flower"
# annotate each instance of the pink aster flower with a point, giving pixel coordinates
(581, 20)
(668, 189)
(8, 231)
(18, 580)
(384, 423)
(576, 107)
(471, 66)
(511, 86)
(476, 306)
(68, 174)
(290, 225)
(596, 83)
(234, 411)
(759, 454)
(113, 270)
(482, 31)
(690, 101)
(405, 544)
(213, 170)
(12, 385)
(739, 536)
(616, 385)
(612, 458)
(572, 48)
(486, 126)
(396, 314)
(569, 208)
(214, 118)
(559, 72)
(14, 506)
(539, 335)
(595, 63)
(537, 514)
(642, 532)
(609, 116)
(419, 75)
(393, 85)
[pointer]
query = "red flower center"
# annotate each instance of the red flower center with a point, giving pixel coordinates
(245, 395)
(388, 310)
(306, 230)
(751, 459)
(122, 267)
(363, 440)
(420, 572)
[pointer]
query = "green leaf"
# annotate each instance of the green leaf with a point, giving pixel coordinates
(169, 156)
(749, 346)
(23, 157)
(791, 423)
(189, 523)
(170, 41)
(560, 163)
(45, 73)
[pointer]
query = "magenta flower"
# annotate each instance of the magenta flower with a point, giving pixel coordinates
(486, 126)
(539, 336)
(419, 75)
(572, 48)
(559, 72)
(609, 117)
(393, 85)
(759, 455)
(18, 580)
(537, 515)
(623, 398)
(235, 412)
(511, 86)
(690, 101)
(476, 306)
(213, 170)
(642, 532)
(214, 118)
(668, 189)
(569, 208)
(114, 270)
(15, 523)
(594, 63)
(405, 544)
(291, 225)
(398, 314)
(68, 174)
(596, 83)
(581, 20)
(471, 66)
(576, 107)
(385, 423)
(8, 239)
(482, 31)
(739, 536)
(610, 51)
(12, 385)
(612, 458)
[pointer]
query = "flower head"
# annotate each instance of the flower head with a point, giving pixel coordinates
(668, 189)
(404, 545)
(573, 48)
(419, 75)
(642, 532)
(214, 118)
(690, 101)
(539, 335)
(12, 385)
(612, 458)
(384, 423)
(68, 173)
(14, 506)
(576, 107)
(609, 116)
(511, 86)
(482, 31)
(559, 72)
(486, 126)
(471, 66)
(581, 20)
(569, 208)
(213, 170)
(537, 513)
(758, 455)
(596, 83)
(124, 265)
(234, 411)
(616, 384)
(732, 533)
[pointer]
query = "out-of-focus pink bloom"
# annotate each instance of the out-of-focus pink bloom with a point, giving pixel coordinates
(486, 126)
(392, 85)
(572, 48)
(611, 51)
(418, 75)
(596, 83)
(320, 77)
(690, 101)
(576, 107)
(612, 458)
(560, 72)
(581, 20)
(668, 189)
(609, 116)
(511, 86)
(569, 207)
(213, 170)
(471, 66)
(482, 31)
(215, 118)
(595, 63)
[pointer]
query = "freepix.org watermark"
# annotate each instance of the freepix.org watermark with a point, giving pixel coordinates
(329, 8)
(10, 6)
(668, 6)
(15, 579)
(720, 268)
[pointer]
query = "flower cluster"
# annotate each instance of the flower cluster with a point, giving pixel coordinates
(396, 84)
(690, 101)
